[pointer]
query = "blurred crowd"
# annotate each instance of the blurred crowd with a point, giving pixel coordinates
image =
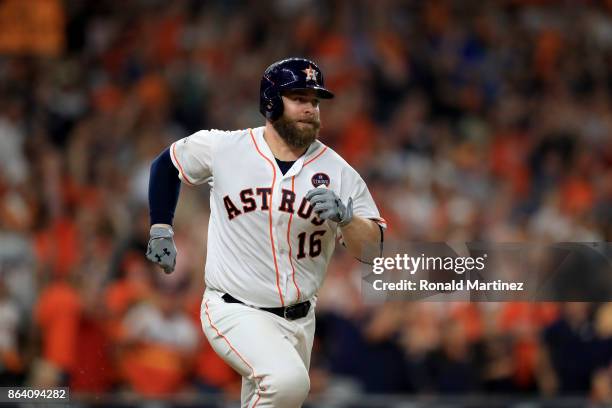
(469, 120)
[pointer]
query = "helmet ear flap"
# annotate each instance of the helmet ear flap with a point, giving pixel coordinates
(271, 103)
(274, 107)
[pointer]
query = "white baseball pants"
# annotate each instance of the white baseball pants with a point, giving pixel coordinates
(271, 354)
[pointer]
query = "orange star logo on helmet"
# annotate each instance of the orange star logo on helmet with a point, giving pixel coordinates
(311, 73)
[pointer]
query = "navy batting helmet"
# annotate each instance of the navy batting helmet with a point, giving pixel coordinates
(288, 74)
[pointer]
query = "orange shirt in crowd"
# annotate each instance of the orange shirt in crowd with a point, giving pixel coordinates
(154, 370)
(357, 139)
(58, 246)
(508, 155)
(525, 320)
(577, 195)
(57, 313)
(33, 26)
(93, 372)
(468, 314)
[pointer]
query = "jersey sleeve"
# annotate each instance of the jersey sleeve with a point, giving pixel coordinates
(354, 187)
(193, 156)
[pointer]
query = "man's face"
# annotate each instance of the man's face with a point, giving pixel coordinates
(299, 125)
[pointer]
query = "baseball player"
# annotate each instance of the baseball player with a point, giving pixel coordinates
(279, 200)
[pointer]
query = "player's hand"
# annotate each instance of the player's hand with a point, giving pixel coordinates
(328, 206)
(161, 249)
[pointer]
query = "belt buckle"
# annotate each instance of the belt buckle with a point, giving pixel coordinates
(289, 311)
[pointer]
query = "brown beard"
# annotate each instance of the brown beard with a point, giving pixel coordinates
(295, 136)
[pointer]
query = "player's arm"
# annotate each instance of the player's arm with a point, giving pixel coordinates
(362, 236)
(189, 160)
(164, 189)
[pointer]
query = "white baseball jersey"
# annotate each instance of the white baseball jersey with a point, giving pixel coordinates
(266, 246)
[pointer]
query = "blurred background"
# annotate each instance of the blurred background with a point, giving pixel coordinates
(469, 120)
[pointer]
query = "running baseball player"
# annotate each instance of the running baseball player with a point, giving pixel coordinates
(279, 200)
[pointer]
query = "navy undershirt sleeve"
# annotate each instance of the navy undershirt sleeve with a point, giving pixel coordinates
(164, 188)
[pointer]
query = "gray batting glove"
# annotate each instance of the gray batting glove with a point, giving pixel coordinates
(328, 206)
(161, 249)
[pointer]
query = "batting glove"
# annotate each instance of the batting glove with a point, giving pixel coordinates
(328, 206)
(161, 249)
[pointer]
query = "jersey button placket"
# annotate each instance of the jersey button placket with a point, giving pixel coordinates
(280, 232)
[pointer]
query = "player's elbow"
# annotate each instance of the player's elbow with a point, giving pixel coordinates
(364, 242)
